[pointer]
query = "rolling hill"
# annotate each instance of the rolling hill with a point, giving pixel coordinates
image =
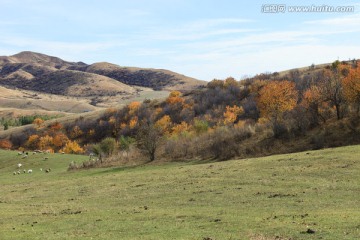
(39, 72)
(38, 82)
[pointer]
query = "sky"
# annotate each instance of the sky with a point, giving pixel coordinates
(204, 39)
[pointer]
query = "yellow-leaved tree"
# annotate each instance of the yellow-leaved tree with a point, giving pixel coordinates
(351, 87)
(72, 147)
(231, 114)
(275, 98)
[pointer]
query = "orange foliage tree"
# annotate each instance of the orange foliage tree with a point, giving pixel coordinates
(174, 98)
(45, 142)
(133, 122)
(133, 107)
(275, 98)
(351, 87)
(181, 128)
(5, 144)
(38, 122)
(56, 127)
(312, 100)
(164, 124)
(32, 141)
(72, 147)
(59, 140)
(231, 114)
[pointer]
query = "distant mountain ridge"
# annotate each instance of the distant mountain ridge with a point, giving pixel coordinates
(39, 72)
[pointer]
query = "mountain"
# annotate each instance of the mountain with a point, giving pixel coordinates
(145, 77)
(47, 74)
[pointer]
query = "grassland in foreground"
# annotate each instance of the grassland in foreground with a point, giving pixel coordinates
(277, 197)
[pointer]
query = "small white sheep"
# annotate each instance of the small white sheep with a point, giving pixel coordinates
(30, 171)
(18, 172)
(19, 165)
(24, 171)
(14, 173)
(41, 169)
(25, 156)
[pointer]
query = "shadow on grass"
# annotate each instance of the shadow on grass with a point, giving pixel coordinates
(154, 165)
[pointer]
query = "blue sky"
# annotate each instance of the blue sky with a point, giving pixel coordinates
(202, 39)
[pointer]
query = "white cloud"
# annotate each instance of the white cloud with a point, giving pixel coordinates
(345, 22)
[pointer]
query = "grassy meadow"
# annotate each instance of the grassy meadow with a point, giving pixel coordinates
(277, 197)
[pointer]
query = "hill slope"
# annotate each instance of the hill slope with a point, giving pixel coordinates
(277, 197)
(146, 77)
(29, 70)
(30, 80)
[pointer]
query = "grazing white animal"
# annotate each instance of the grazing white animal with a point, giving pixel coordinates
(14, 173)
(40, 169)
(19, 153)
(25, 156)
(30, 171)
(19, 165)
(24, 171)
(18, 172)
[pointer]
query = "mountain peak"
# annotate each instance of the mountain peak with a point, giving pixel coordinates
(39, 58)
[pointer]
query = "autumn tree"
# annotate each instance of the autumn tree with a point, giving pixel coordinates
(133, 107)
(312, 100)
(174, 98)
(351, 86)
(275, 98)
(180, 128)
(45, 142)
(215, 84)
(231, 114)
(72, 147)
(60, 140)
(32, 142)
(230, 82)
(38, 122)
(5, 144)
(56, 127)
(133, 122)
(164, 124)
(174, 106)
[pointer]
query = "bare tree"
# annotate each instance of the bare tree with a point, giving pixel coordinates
(148, 138)
(331, 90)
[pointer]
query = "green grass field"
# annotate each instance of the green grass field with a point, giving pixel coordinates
(277, 197)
